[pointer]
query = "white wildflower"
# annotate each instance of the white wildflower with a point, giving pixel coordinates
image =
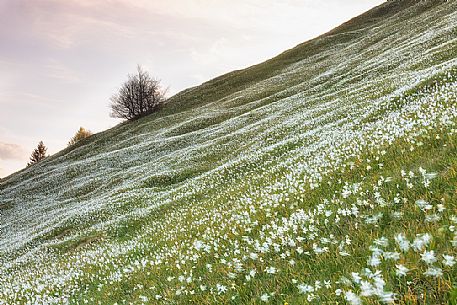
(304, 288)
(395, 256)
(383, 242)
(428, 257)
(434, 271)
(264, 297)
(423, 205)
(448, 260)
(356, 277)
(441, 208)
(401, 270)
(366, 288)
(421, 241)
(271, 270)
(143, 298)
(311, 297)
(327, 284)
(374, 260)
(221, 288)
(402, 242)
(432, 218)
(352, 298)
(430, 176)
(387, 297)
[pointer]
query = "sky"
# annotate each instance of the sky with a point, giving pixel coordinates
(61, 60)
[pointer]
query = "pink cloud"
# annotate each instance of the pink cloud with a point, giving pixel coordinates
(11, 151)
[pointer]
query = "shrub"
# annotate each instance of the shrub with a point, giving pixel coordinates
(79, 135)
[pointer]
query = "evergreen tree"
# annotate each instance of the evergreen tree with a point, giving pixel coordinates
(38, 154)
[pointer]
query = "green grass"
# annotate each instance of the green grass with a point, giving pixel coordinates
(253, 170)
(443, 162)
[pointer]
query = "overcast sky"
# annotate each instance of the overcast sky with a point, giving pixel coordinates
(61, 60)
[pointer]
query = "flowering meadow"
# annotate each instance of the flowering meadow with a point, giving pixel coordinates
(331, 180)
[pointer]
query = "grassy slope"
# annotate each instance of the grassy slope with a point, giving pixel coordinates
(282, 162)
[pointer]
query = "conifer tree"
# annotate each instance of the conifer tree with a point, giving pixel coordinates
(38, 154)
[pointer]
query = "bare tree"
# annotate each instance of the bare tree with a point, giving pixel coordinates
(38, 154)
(82, 133)
(140, 95)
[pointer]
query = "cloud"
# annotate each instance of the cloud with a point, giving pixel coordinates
(61, 72)
(11, 151)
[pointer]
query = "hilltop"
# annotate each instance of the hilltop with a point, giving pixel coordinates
(326, 174)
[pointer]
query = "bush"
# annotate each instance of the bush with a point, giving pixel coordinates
(140, 95)
(80, 134)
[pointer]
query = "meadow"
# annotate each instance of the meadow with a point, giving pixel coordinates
(326, 175)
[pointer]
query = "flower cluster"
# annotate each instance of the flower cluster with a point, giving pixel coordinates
(309, 186)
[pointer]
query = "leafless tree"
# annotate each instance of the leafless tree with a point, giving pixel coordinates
(140, 95)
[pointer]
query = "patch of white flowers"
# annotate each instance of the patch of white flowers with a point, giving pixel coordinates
(245, 219)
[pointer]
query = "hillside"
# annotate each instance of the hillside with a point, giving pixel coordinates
(325, 175)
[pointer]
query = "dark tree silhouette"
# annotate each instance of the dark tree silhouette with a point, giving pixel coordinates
(140, 95)
(38, 154)
(82, 133)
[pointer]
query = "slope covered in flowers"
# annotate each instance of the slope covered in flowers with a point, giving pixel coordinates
(326, 175)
